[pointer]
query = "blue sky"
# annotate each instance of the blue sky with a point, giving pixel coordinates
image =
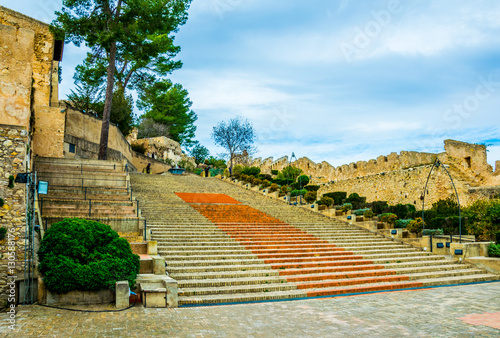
(339, 80)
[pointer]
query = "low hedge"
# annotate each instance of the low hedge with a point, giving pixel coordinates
(78, 254)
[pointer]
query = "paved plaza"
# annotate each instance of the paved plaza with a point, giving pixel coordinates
(459, 311)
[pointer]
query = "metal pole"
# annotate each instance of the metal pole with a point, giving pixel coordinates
(85, 193)
(137, 208)
(423, 197)
(90, 208)
(459, 209)
(145, 230)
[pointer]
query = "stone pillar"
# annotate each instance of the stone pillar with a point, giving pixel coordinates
(122, 295)
(152, 248)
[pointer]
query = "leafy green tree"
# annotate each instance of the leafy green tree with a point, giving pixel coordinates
(121, 111)
(483, 219)
(170, 105)
(86, 98)
(235, 136)
(199, 152)
(217, 162)
(133, 34)
(291, 173)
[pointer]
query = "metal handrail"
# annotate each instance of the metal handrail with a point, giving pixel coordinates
(90, 204)
(81, 165)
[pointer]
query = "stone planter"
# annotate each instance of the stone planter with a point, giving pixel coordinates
(81, 297)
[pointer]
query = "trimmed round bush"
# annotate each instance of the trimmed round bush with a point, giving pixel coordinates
(388, 218)
(78, 254)
(325, 200)
(303, 180)
(311, 196)
(274, 187)
(416, 226)
(368, 213)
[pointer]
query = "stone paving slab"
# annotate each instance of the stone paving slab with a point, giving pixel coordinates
(460, 311)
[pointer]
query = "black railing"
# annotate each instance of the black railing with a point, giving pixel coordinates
(82, 166)
(81, 181)
(90, 202)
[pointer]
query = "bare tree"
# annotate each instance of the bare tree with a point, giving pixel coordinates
(236, 136)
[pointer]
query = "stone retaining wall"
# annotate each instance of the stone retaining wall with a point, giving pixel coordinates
(13, 140)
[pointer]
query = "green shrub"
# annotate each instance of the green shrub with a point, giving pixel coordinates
(337, 196)
(284, 189)
(416, 226)
(434, 232)
(140, 148)
(359, 212)
(303, 180)
(82, 255)
(295, 193)
(265, 183)
(368, 213)
(355, 200)
(237, 170)
(252, 171)
(494, 250)
(450, 225)
(389, 218)
(346, 207)
(3, 231)
(325, 200)
(483, 219)
(312, 187)
(274, 172)
(311, 196)
(187, 165)
(2, 203)
(257, 181)
(402, 223)
(274, 187)
(379, 207)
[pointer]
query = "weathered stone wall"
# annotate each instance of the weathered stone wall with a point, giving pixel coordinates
(16, 58)
(42, 56)
(29, 81)
(13, 142)
(401, 178)
(84, 132)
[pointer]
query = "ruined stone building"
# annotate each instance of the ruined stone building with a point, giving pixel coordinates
(400, 178)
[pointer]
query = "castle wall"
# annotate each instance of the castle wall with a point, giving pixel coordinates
(13, 143)
(16, 68)
(400, 178)
(29, 81)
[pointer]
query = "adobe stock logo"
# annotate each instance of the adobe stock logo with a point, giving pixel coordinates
(367, 34)
(279, 121)
(223, 6)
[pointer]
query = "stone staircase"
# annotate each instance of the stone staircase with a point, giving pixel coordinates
(90, 189)
(225, 244)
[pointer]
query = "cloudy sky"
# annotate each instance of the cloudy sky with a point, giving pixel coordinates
(338, 80)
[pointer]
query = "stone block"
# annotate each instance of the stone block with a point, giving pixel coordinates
(152, 248)
(122, 295)
(158, 265)
(477, 249)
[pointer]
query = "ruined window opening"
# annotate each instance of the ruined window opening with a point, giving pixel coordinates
(72, 148)
(58, 50)
(467, 162)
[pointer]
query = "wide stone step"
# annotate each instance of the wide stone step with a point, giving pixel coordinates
(275, 295)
